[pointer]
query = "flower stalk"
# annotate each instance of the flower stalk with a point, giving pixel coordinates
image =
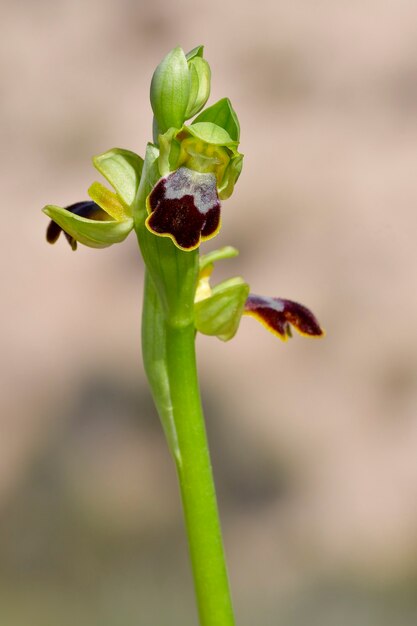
(169, 357)
(196, 481)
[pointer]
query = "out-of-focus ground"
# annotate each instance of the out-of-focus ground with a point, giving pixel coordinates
(314, 442)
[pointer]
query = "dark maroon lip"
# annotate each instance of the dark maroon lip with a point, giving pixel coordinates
(279, 314)
(180, 217)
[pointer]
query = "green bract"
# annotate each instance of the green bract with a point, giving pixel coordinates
(222, 114)
(180, 87)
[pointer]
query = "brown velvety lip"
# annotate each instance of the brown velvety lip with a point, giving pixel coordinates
(185, 207)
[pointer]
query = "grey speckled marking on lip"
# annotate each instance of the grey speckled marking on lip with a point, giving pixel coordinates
(265, 301)
(202, 187)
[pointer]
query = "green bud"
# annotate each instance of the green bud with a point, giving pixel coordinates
(220, 313)
(170, 90)
(180, 88)
(200, 76)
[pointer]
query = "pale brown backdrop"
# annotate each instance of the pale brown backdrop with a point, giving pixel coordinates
(314, 442)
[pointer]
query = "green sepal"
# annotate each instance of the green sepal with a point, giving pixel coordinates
(92, 233)
(123, 170)
(170, 90)
(200, 76)
(222, 114)
(195, 52)
(211, 133)
(232, 173)
(221, 312)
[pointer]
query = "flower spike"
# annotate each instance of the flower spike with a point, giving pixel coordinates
(278, 315)
(171, 199)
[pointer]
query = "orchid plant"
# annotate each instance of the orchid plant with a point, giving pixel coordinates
(172, 199)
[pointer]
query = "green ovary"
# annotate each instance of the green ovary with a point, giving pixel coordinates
(204, 157)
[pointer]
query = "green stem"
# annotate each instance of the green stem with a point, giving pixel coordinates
(154, 360)
(196, 481)
(170, 363)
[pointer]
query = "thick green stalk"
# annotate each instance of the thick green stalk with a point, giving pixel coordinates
(169, 355)
(196, 481)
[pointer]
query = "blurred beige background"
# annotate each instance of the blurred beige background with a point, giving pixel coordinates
(314, 442)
